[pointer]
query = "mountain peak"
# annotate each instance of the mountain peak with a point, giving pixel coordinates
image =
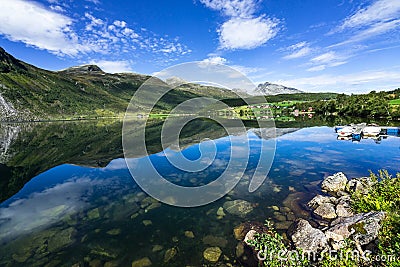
(268, 88)
(9, 63)
(84, 69)
(175, 81)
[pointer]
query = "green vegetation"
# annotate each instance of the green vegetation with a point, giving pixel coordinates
(83, 92)
(300, 97)
(270, 244)
(384, 195)
(394, 102)
(371, 105)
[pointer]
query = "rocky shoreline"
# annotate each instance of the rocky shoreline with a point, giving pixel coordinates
(331, 226)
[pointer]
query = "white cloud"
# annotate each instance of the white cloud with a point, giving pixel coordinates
(376, 19)
(317, 68)
(45, 28)
(374, 30)
(113, 66)
(239, 33)
(352, 82)
(93, 22)
(247, 70)
(57, 8)
(119, 23)
(325, 58)
(243, 29)
(232, 8)
(37, 26)
(298, 50)
(328, 59)
(96, 2)
(215, 60)
(380, 11)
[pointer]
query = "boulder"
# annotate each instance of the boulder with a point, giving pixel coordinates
(326, 211)
(323, 207)
(337, 241)
(212, 254)
(343, 208)
(318, 200)
(144, 262)
(238, 207)
(362, 227)
(306, 237)
(334, 184)
(360, 185)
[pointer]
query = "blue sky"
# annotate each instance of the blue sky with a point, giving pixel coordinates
(331, 45)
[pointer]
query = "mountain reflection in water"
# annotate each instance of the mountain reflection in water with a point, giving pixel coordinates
(79, 204)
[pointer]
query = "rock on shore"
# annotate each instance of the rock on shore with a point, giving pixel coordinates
(334, 215)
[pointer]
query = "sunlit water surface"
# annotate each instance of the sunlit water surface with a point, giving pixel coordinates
(75, 214)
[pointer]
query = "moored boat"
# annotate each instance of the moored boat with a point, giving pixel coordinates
(371, 130)
(345, 131)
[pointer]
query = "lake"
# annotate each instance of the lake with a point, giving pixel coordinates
(68, 197)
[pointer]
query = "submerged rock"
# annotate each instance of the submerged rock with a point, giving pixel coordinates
(153, 206)
(293, 200)
(147, 201)
(95, 263)
(306, 237)
(239, 232)
(144, 262)
(189, 234)
(334, 183)
(115, 231)
(170, 254)
(220, 212)
(238, 207)
(93, 214)
(147, 222)
(21, 257)
(215, 241)
(157, 248)
(275, 208)
(60, 240)
(212, 254)
(239, 250)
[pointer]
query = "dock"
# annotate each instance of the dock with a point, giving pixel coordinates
(357, 133)
(358, 129)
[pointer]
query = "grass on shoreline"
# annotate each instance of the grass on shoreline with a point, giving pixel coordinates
(383, 195)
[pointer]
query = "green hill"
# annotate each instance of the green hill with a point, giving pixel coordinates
(31, 93)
